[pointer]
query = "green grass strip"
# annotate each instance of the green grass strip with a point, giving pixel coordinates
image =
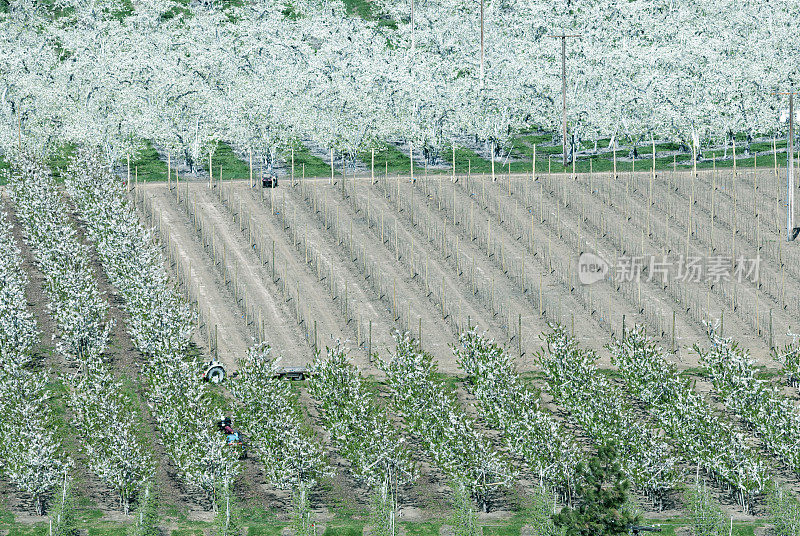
(148, 165)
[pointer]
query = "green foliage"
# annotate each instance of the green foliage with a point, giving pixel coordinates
(361, 8)
(784, 510)
(705, 515)
(233, 167)
(228, 519)
(258, 514)
(465, 519)
(148, 166)
(145, 519)
(290, 12)
(188, 532)
(469, 161)
(540, 514)
(382, 516)
(603, 491)
(302, 517)
(62, 513)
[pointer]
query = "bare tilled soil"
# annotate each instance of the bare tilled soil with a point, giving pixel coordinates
(316, 247)
(742, 227)
(501, 311)
(214, 301)
(511, 258)
(434, 257)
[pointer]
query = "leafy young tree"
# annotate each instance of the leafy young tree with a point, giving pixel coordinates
(602, 488)
(784, 509)
(540, 513)
(433, 414)
(160, 326)
(116, 449)
(18, 331)
(362, 431)
(789, 357)
(34, 459)
(703, 436)
(706, 515)
(528, 430)
(759, 403)
(63, 514)
(228, 520)
(271, 418)
(599, 406)
(464, 519)
(146, 517)
(302, 516)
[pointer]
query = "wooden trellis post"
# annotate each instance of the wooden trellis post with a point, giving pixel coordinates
(411, 162)
(454, 166)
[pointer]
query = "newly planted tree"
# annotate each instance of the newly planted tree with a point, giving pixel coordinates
(448, 435)
(361, 430)
(530, 432)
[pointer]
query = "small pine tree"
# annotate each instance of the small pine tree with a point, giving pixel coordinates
(228, 520)
(465, 519)
(602, 490)
(146, 515)
(63, 516)
(706, 515)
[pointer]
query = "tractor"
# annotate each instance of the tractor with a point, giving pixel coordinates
(292, 373)
(638, 529)
(214, 372)
(269, 180)
(233, 438)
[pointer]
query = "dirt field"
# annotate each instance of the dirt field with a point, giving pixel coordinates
(436, 256)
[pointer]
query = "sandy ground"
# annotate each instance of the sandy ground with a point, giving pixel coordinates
(214, 300)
